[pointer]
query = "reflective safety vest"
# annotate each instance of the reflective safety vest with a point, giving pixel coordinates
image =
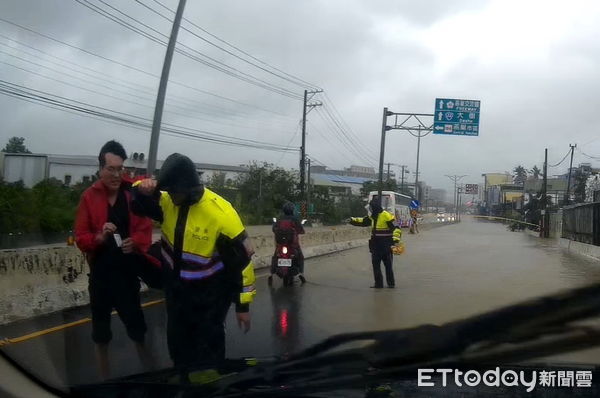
(385, 227)
(210, 224)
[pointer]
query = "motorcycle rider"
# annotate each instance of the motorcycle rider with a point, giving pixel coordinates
(289, 222)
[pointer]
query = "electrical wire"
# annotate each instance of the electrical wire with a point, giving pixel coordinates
(150, 100)
(305, 83)
(124, 65)
(352, 133)
(356, 152)
(559, 163)
(293, 81)
(103, 77)
(44, 98)
(588, 156)
(207, 61)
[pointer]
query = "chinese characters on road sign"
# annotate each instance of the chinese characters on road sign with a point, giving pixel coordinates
(456, 117)
(471, 189)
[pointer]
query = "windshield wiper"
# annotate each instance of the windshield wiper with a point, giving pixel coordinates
(532, 329)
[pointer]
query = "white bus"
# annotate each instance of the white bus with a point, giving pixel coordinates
(397, 204)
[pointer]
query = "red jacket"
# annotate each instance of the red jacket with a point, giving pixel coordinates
(92, 213)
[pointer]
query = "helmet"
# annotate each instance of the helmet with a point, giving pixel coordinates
(288, 208)
(375, 206)
(178, 174)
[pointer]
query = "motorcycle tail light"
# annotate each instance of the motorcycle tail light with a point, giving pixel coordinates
(284, 249)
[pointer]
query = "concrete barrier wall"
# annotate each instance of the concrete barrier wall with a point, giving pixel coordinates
(582, 249)
(37, 281)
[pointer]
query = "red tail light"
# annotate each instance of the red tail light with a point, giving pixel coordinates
(283, 322)
(284, 249)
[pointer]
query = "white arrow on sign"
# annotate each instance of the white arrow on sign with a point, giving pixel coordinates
(439, 127)
(440, 116)
(441, 104)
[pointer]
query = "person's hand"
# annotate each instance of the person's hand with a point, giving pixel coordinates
(243, 319)
(108, 229)
(147, 186)
(128, 246)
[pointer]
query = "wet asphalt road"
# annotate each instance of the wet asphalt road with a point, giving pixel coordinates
(447, 273)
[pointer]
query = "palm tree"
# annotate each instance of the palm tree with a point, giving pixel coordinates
(520, 175)
(536, 172)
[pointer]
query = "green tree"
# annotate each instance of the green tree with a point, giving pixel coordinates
(263, 190)
(217, 181)
(520, 175)
(17, 215)
(16, 145)
(579, 184)
(54, 204)
(224, 187)
(536, 173)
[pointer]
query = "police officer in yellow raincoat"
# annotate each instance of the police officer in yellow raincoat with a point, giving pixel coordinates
(384, 234)
(206, 261)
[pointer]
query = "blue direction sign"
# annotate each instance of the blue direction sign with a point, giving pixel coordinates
(456, 117)
(414, 204)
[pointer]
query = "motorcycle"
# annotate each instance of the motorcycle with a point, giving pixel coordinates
(284, 262)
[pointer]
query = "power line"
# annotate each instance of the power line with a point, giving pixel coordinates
(212, 63)
(290, 142)
(559, 163)
(350, 130)
(291, 80)
(588, 156)
(307, 84)
(96, 75)
(331, 144)
(360, 149)
(131, 67)
(146, 98)
(341, 137)
(42, 98)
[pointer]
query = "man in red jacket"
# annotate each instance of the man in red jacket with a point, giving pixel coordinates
(115, 242)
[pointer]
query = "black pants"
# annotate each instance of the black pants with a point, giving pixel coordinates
(377, 256)
(196, 324)
(111, 287)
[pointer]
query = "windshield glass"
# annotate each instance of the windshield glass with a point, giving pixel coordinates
(158, 158)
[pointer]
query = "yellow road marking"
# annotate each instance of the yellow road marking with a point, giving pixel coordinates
(58, 328)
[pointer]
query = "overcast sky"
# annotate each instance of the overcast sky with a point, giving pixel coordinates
(534, 65)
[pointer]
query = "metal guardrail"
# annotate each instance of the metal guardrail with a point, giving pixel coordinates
(581, 223)
(507, 219)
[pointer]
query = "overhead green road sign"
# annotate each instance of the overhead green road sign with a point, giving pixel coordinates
(456, 117)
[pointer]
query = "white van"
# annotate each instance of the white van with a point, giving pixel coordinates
(395, 203)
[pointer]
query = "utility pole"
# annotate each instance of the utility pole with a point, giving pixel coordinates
(162, 90)
(459, 201)
(417, 190)
(388, 171)
(308, 191)
(384, 128)
(567, 196)
(306, 108)
(544, 228)
(456, 178)
(402, 185)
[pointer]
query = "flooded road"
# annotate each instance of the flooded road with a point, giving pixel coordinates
(445, 274)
